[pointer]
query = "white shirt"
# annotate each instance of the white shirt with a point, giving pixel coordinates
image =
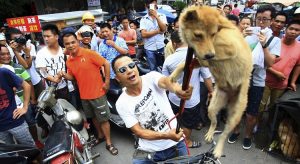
(151, 109)
(52, 62)
(171, 64)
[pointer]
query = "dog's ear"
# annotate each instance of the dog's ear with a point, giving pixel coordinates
(191, 15)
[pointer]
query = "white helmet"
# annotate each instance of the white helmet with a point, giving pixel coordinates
(84, 29)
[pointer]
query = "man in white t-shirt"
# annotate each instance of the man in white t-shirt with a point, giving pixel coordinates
(145, 109)
(191, 117)
(50, 60)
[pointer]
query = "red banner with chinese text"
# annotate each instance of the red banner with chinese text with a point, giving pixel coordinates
(25, 24)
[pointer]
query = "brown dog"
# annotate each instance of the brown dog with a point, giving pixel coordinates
(219, 45)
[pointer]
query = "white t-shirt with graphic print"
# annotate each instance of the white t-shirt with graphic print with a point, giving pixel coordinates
(53, 63)
(151, 109)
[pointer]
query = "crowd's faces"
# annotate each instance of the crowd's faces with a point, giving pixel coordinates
(292, 32)
(226, 10)
(263, 19)
(125, 23)
(107, 33)
(278, 23)
(133, 26)
(131, 76)
(89, 22)
(3, 42)
(5, 57)
(86, 40)
(244, 24)
(49, 38)
(71, 44)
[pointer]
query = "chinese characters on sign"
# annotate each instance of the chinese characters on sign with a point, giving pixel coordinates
(92, 3)
(25, 24)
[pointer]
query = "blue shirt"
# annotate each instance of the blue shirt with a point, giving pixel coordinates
(109, 53)
(7, 99)
(157, 41)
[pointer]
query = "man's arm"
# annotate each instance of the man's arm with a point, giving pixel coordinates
(295, 77)
(120, 49)
(148, 34)
(153, 135)
(269, 58)
(162, 26)
(209, 85)
(278, 74)
(166, 83)
(26, 93)
(44, 73)
(107, 74)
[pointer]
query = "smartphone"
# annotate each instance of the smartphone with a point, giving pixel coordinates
(255, 30)
(152, 6)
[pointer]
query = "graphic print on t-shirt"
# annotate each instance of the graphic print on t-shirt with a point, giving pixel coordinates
(150, 116)
(4, 102)
(54, 65)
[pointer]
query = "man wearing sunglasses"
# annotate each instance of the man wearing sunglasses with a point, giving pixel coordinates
(84, 66)
(145, 109)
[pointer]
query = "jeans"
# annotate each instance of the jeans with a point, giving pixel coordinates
(155, 58)
(20, 133)
(151, 158)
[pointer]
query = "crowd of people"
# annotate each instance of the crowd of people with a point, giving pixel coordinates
(86, 62)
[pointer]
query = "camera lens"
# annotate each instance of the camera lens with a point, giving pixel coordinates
(21, 40)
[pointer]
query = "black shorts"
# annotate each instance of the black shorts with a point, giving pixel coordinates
(191, 117)
(255, 95)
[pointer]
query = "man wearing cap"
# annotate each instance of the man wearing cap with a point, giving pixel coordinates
(89, 19)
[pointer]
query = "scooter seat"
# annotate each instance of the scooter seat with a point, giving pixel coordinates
(58, 141)
(115, 90)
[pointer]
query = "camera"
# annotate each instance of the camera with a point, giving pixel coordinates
(20, 40)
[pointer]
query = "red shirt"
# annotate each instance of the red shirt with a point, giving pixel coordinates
(127, 36)
(85, 67)
(289, 57)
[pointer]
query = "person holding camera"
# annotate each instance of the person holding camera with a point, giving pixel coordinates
(153, 25)
(23, 53)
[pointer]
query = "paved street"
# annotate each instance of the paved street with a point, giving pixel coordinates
(235, 154)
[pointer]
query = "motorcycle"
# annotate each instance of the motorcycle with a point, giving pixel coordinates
(20, 154)
(68, 140)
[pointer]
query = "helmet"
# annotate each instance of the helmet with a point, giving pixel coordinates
(297, 11)
(88, 15)
(86, 28)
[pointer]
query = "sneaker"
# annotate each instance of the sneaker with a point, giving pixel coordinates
(233, 137)
(39, 145)
(247, 143)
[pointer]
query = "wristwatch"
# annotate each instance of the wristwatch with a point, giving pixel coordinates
(265, 46)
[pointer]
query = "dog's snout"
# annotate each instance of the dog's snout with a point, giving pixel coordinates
(209, 56)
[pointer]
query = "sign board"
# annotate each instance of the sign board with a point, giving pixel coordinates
(92, 3)
(25, 24)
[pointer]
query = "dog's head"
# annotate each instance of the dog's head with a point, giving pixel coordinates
(198, 27)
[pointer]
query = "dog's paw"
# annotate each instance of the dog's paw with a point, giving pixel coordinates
(209, 137)
(217, 153)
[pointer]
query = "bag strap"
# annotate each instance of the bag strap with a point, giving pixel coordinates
(268, 42)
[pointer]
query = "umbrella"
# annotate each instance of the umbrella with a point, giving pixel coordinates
(169, 15)
(284, 2)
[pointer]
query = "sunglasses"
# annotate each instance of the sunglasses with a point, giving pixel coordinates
(86, 34)
(124, 68)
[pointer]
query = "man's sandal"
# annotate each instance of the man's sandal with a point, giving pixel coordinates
(112, 149)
